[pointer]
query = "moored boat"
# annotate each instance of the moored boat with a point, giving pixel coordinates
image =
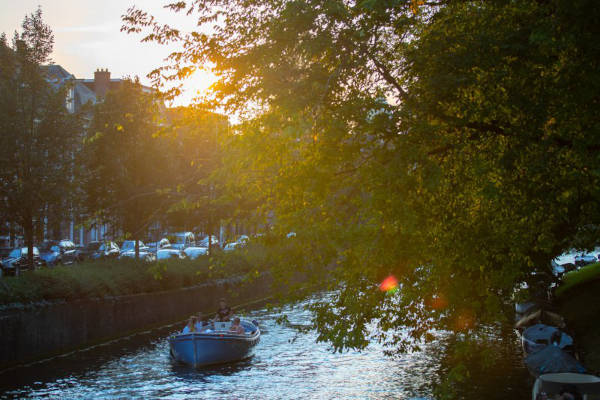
(583, 385)
(538, 336)
(552, 359)
(214, 344)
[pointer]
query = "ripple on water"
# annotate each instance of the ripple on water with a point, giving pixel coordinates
(286, 366)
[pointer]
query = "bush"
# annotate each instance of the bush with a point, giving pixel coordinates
(102, 278)
(576, 278)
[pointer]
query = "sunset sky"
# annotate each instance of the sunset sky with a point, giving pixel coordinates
(87, 36)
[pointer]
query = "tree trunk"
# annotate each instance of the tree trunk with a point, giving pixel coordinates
(28, 227)
(137, 249)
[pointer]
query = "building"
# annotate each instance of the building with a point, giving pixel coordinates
(81, 92)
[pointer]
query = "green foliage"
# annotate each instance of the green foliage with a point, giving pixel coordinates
(580, 308)
(125, 160)
(581, 276)
(451, 144)
(38, 135)
(101, 279)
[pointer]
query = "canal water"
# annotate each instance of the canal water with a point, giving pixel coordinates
(286, 365)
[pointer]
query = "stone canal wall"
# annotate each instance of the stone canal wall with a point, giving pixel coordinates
(40, 331)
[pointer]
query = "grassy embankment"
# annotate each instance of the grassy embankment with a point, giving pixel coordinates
(578, 298)
(107, 278)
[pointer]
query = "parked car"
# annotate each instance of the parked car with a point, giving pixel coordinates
(17, 261)
(232, 246)
(55, 252)
(164, 254)
(129, 245)
(161, 244)
(182, 240)
(213, 241)
(4, 252)
(582, 259)
(195, 252)
(100, 250)
(145, 255)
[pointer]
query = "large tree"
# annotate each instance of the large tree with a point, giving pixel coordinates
(195, 137)
(451, 144)
(125, 156)
(38, 135)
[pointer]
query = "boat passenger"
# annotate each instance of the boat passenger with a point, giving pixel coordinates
(191, 325)
(569, 392)
(236, 327)
(202, 324)
(224, 313)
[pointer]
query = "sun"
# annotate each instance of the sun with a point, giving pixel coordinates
(196, 85)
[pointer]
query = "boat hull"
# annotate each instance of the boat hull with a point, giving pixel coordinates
(201, 349)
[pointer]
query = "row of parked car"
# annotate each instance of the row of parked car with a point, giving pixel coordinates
(54, 252)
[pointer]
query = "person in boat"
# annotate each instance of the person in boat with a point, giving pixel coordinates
(236, 327)
(202, 323)
(569, 392)
(224, 313)
(191, 325)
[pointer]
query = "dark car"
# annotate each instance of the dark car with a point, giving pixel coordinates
(100, 250)
(55, 252)
(17, 261)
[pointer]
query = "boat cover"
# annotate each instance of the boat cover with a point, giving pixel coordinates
(539, 336)
(552, 360)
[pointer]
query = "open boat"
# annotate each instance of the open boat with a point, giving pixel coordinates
(586, 386)
(214, 344)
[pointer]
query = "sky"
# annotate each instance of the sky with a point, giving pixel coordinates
(87, 37)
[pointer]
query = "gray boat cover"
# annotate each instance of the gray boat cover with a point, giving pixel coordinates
(552, 360)
(540, 333)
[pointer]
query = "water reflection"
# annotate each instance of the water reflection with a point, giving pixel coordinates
(285, 365)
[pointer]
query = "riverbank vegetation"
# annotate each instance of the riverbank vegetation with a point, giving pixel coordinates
(573, 279)
(453, 145)
(581, 308)
(127, 276)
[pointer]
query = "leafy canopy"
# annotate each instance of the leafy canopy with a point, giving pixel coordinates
(451, 144)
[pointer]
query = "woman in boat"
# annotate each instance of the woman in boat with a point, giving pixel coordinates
(191, 325)
(236, 327)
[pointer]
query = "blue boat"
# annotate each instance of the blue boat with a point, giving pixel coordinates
(214, 344)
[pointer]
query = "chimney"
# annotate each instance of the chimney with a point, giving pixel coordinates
(101, 82)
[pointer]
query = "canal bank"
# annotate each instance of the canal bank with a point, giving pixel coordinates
(286, 365)
(44, 330)
(581, 310)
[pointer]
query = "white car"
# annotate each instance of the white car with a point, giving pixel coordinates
(231, 246)
(195, 252)
(166, 254)
(183, 240)
(144, 255)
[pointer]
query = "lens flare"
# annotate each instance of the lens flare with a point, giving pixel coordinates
(389, 284)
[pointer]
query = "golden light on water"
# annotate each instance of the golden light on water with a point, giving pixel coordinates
(389, 284)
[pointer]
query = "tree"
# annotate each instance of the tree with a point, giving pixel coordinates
(126, 165)
(195, 135)
(479, 167)
(38, 134)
